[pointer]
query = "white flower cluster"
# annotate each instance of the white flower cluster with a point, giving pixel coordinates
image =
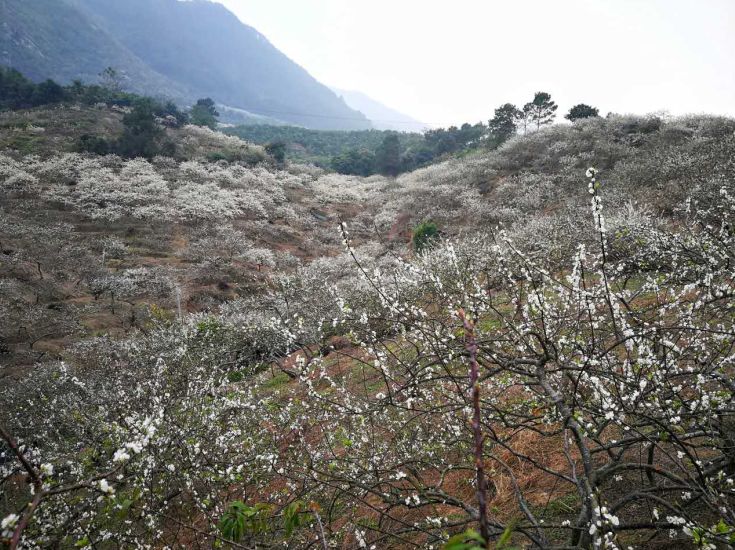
(7, 525)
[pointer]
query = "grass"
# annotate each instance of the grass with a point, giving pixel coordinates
(277, 382)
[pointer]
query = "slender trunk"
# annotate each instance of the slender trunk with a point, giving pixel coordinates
(322, 538)
(471, 346)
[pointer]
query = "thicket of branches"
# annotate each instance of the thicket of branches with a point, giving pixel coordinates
(547, 400)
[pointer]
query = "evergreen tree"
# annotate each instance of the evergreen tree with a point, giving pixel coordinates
(204, 113)
(16, 91)
(505, 123)
(582, 110)
(47, 92)
(171, 109)
(442, 140)
(388, 156)
(541, 110)
(357, 162)
(141, 135)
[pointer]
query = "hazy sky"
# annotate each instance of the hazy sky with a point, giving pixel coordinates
(447, 62)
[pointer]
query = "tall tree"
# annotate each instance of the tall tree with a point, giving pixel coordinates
(505, 123)
(48, 92)
(359, 162)
(388, 155)
(581, 110)
(141, 134)
(541, 110)
(204, 113)
(16, 91)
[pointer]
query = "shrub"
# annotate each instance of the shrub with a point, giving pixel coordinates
(96, 145)
(424, 236)
(277, 150)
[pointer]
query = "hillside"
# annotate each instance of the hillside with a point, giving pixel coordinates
(203, 352)
(530, 186)
(181, 50)
(54, 39)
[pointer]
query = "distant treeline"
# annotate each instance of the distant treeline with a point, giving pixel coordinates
(363, 152)
(18, 92)
(390, 153)
(143, 121)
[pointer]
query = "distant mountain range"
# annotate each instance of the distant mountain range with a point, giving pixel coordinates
(180, 50)
(381, 116)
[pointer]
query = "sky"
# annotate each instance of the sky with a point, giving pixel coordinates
(449, 62)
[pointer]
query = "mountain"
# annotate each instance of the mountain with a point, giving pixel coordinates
(181, 50)
(381, 116)
(53, 39)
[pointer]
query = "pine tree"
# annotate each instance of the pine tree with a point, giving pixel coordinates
(505, 123)
(541, 110)
(582, 110)
(204, 113)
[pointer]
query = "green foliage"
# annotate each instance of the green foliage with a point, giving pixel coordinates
(236, 376)
(469, 540)
(356, 162)
(295, 516)
(209, 327)
(442, 141)
(170, 109)
(142, 136)
(17, 92)
(204, 113)
(388, 156)
(505, 123)
(233, 522)
(322, 147)
(97, 145)
(580, 111)
(424, 236)
(366, 152)
(541, 110)
(503, 542)
(277, 150)
(240, 519)
(278, 381)
(48, 92)
(244, 154)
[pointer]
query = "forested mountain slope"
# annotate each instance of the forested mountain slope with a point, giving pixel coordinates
(182, 50)
(55, 39)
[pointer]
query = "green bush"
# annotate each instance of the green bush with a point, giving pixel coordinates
(88, 143)
(424, 236)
